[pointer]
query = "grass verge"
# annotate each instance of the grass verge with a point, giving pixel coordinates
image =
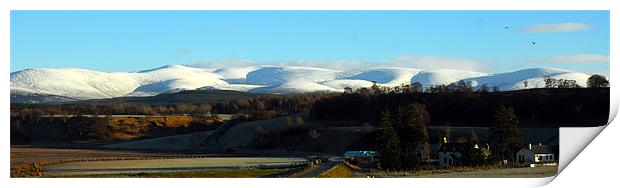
(339, 171)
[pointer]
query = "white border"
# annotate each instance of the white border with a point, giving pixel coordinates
(7, 5)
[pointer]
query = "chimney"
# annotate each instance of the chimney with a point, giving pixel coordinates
(530, 146)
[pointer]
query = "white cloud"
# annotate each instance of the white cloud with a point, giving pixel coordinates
(573, 59)
(556, 27)
(221, 64)
(436, 62)
(581, 58)
(405, 61)
(335, 65)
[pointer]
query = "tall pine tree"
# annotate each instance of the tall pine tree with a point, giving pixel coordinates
(413, 134)
(388, 142)
(505, 136)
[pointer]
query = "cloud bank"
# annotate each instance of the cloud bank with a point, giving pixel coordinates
(437, 62)
(405, 61)
(221, 64)
(581, 58)
(556, 27)
(573, 59)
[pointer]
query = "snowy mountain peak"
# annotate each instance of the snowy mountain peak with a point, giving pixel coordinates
(90, 84)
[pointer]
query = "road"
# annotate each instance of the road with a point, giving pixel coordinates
(322, 168)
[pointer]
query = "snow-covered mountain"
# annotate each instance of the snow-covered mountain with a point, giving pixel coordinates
(89, 84)
(392, 76)
(443, 76)
(533, 77)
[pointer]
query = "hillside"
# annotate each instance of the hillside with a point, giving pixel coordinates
(34, 98)
(182, 97)
(89, 84)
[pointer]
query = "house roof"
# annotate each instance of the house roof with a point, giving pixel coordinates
(540, 149)
(361, 154)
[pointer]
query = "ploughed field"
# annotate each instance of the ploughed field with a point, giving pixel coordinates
(24, 154)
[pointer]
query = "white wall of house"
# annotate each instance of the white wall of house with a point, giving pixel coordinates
(544, 158)
(526, 156)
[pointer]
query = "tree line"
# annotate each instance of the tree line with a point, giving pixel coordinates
(594, 81)
(543, 107)
(402, 139)
(262, 107)
(26, 119)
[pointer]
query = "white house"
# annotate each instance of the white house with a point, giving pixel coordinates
(535, 154)
(451, 154)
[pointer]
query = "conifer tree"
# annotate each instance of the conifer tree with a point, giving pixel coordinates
(505, 136)
(413, 134)
(388, 142)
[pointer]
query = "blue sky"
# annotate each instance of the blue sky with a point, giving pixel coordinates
(477, 40)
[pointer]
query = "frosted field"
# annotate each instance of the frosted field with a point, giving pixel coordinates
(166, 165)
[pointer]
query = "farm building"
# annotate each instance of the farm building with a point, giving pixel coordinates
(535, 154)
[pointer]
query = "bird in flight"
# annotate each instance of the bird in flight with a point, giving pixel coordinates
(506, 27)
(533, 43)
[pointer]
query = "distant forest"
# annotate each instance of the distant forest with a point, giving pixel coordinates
(539, 108)
(257, 107)
(559, 104)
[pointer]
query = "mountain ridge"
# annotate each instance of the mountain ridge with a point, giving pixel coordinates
(90, 84)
